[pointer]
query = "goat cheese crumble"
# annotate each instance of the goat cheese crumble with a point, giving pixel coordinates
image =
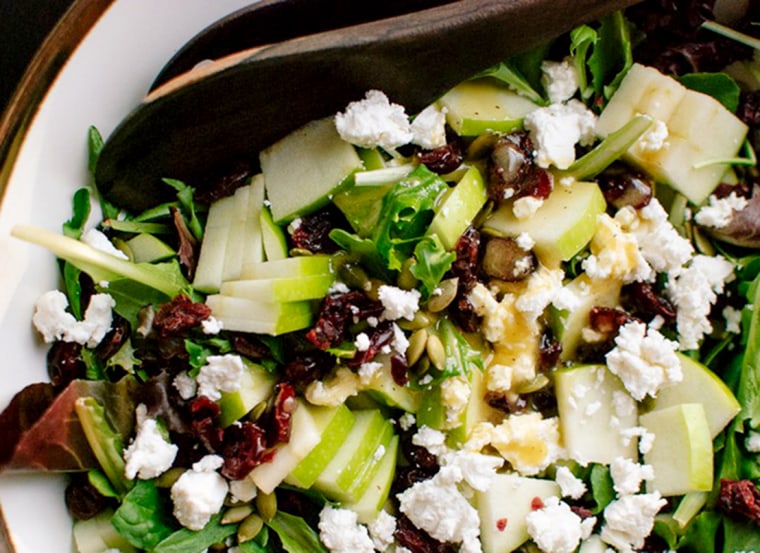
(556, 528)
(198, 494)
(556, 129)
(341, 532)
(719, 211)
(629, 519)
(374, 121)
(149, 455)
(221, 373)
(54, 322)
(398, 303)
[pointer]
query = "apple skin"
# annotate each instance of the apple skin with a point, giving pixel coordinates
(272, 236)
(208, 273)
(256, 385)
(457, 210)
(561, 227)
(479, 106)
(303, 266)
(682, 452)
(334, 424)
(590, 437)
(372, 502)
(504, 506)
(260, 317)
(700, 385)
(279, 289)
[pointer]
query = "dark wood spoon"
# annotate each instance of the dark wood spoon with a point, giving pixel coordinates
(272, 21)
(207, 120)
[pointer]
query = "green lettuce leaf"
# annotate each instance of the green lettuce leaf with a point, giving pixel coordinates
(191, 541)
(432, 262)
(144, 516)
(718, 85)
(295, 534)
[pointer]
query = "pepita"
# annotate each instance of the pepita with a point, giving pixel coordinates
(250, 528)
(443, 295)
(236, 514)
(436, 352)
(266, 505)
(416, 346)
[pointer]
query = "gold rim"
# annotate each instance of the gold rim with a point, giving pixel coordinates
(39, 76)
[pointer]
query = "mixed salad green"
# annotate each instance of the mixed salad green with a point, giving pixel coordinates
(525, 318)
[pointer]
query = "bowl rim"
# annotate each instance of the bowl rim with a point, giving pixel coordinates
(39, 76)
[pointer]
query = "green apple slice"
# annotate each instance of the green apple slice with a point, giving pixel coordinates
(457, 210)
(307, 265)
(591, 416)
(334, 424)
(478, 106)
(376, 495)
(253, 244)
(700, 385)
(682, 452)
(306, 168)
(259, 317)
(561, 227)
(304, 437)
(97, 534)
(273, 237)
(279, 289)
(348, 474)
(256, 385)
(208, 272)
(384, 389)
(146, 248)
(237, 239)
(504, 506)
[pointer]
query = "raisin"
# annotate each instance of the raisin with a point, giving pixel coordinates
(607, 320)
(115, 339)
(313, 231)
(740, 498)
(444, 159)
(643, 301)
(465, 269)
(224, 183)
(180, 315)
(549, 351)
(399, 369)
(307, 367)
(64, 363)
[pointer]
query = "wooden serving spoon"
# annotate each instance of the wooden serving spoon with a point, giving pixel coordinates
(272, 21)
(208, 119)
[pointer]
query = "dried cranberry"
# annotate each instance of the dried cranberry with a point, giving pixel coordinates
(509, 405)
(284, 404)
(444, 159)
(188, 245)
(307, 367)
(83, 500)
(64, 363)
(224, 183)
(465, 268)
(740, 498)
(399, 369)
(549, 352)
(313, 231)
(749, 108)
(607, 320)
(379, 337)
(582, 512)
(418, 456)
(115, 339)
(180, 315)
(243, 448)
(336, 313)
(205, 416)
(643, 301)
(417, 540)
(247, 345)
(624, 187)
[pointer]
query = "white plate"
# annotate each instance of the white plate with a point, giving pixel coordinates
(105, 77)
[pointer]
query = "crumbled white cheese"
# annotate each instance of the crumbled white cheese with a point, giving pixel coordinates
(630, 519)
(437, 506)
(719, 211)
(560, 79)
(335, 390)
(429, 128)
(374, 121)
(524, 241)
(646, 438)
(542, 287)
(55, 323)
(338, 287)
(198, 494)
(243, 490)
(694, 289)
(221, 373)
(615, 253)
(526, 207)
(654, 140)
(400, 341)
(362, 342)
(294, 225)
(432, 440)
(627, 475)
(569, 484)
(556, 129)
(398, 303)
(752, 443)
(341, 532)
(185, 385)
(368, 371)
(733, 318)
(529, 442)
(212, 325)
(556, 528)
(96, 239)
(455, 394)
(149, 454)
(381, 530)
(407, 421)
(476, 469)
(644, 360)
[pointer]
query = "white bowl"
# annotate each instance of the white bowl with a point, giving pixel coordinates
(123, 45)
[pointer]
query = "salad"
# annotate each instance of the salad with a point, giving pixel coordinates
(522, 319)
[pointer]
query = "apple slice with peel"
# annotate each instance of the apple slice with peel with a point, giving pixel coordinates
(682, 452)
(304, 436)
(478, 106)
(308, 265)
(208, 272)
(383, 389)
(253, 245)
(256, 385)
(315, 159)
(97, 534)
(334, 424)
(376, 495)
(459, 207)
(260, 317)
(593, 408)
(560, 228)
(273, 237)
(279, 289)
(700, 385)
(348, 474)
(504, 506)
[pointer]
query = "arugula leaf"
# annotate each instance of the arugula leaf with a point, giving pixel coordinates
(131, 296)
(602, 487)
(296, 536)
(74, 227)
(144, 518)
(94, 147)
(718, 85)
(364, 249)
(528, 64)
(259, 544)
(612, 55)
(701, 533)
(461, 358)
(582, 40)
(507, 73)
(191, 541)
(73, 288)
(433, 261)
(185, 195)
(738, 535)
(100, 482)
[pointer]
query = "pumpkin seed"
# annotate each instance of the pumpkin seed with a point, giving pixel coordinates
(406, 280)
(416, 346)
(436, 352)
(539, 382)
(236, 514)
(354, 276)
(422, 319)
(250, 528)
(300, 252)
(266, 505)
(443, 296)
(167, 479)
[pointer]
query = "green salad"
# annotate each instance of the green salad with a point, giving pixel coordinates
(526, 318)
